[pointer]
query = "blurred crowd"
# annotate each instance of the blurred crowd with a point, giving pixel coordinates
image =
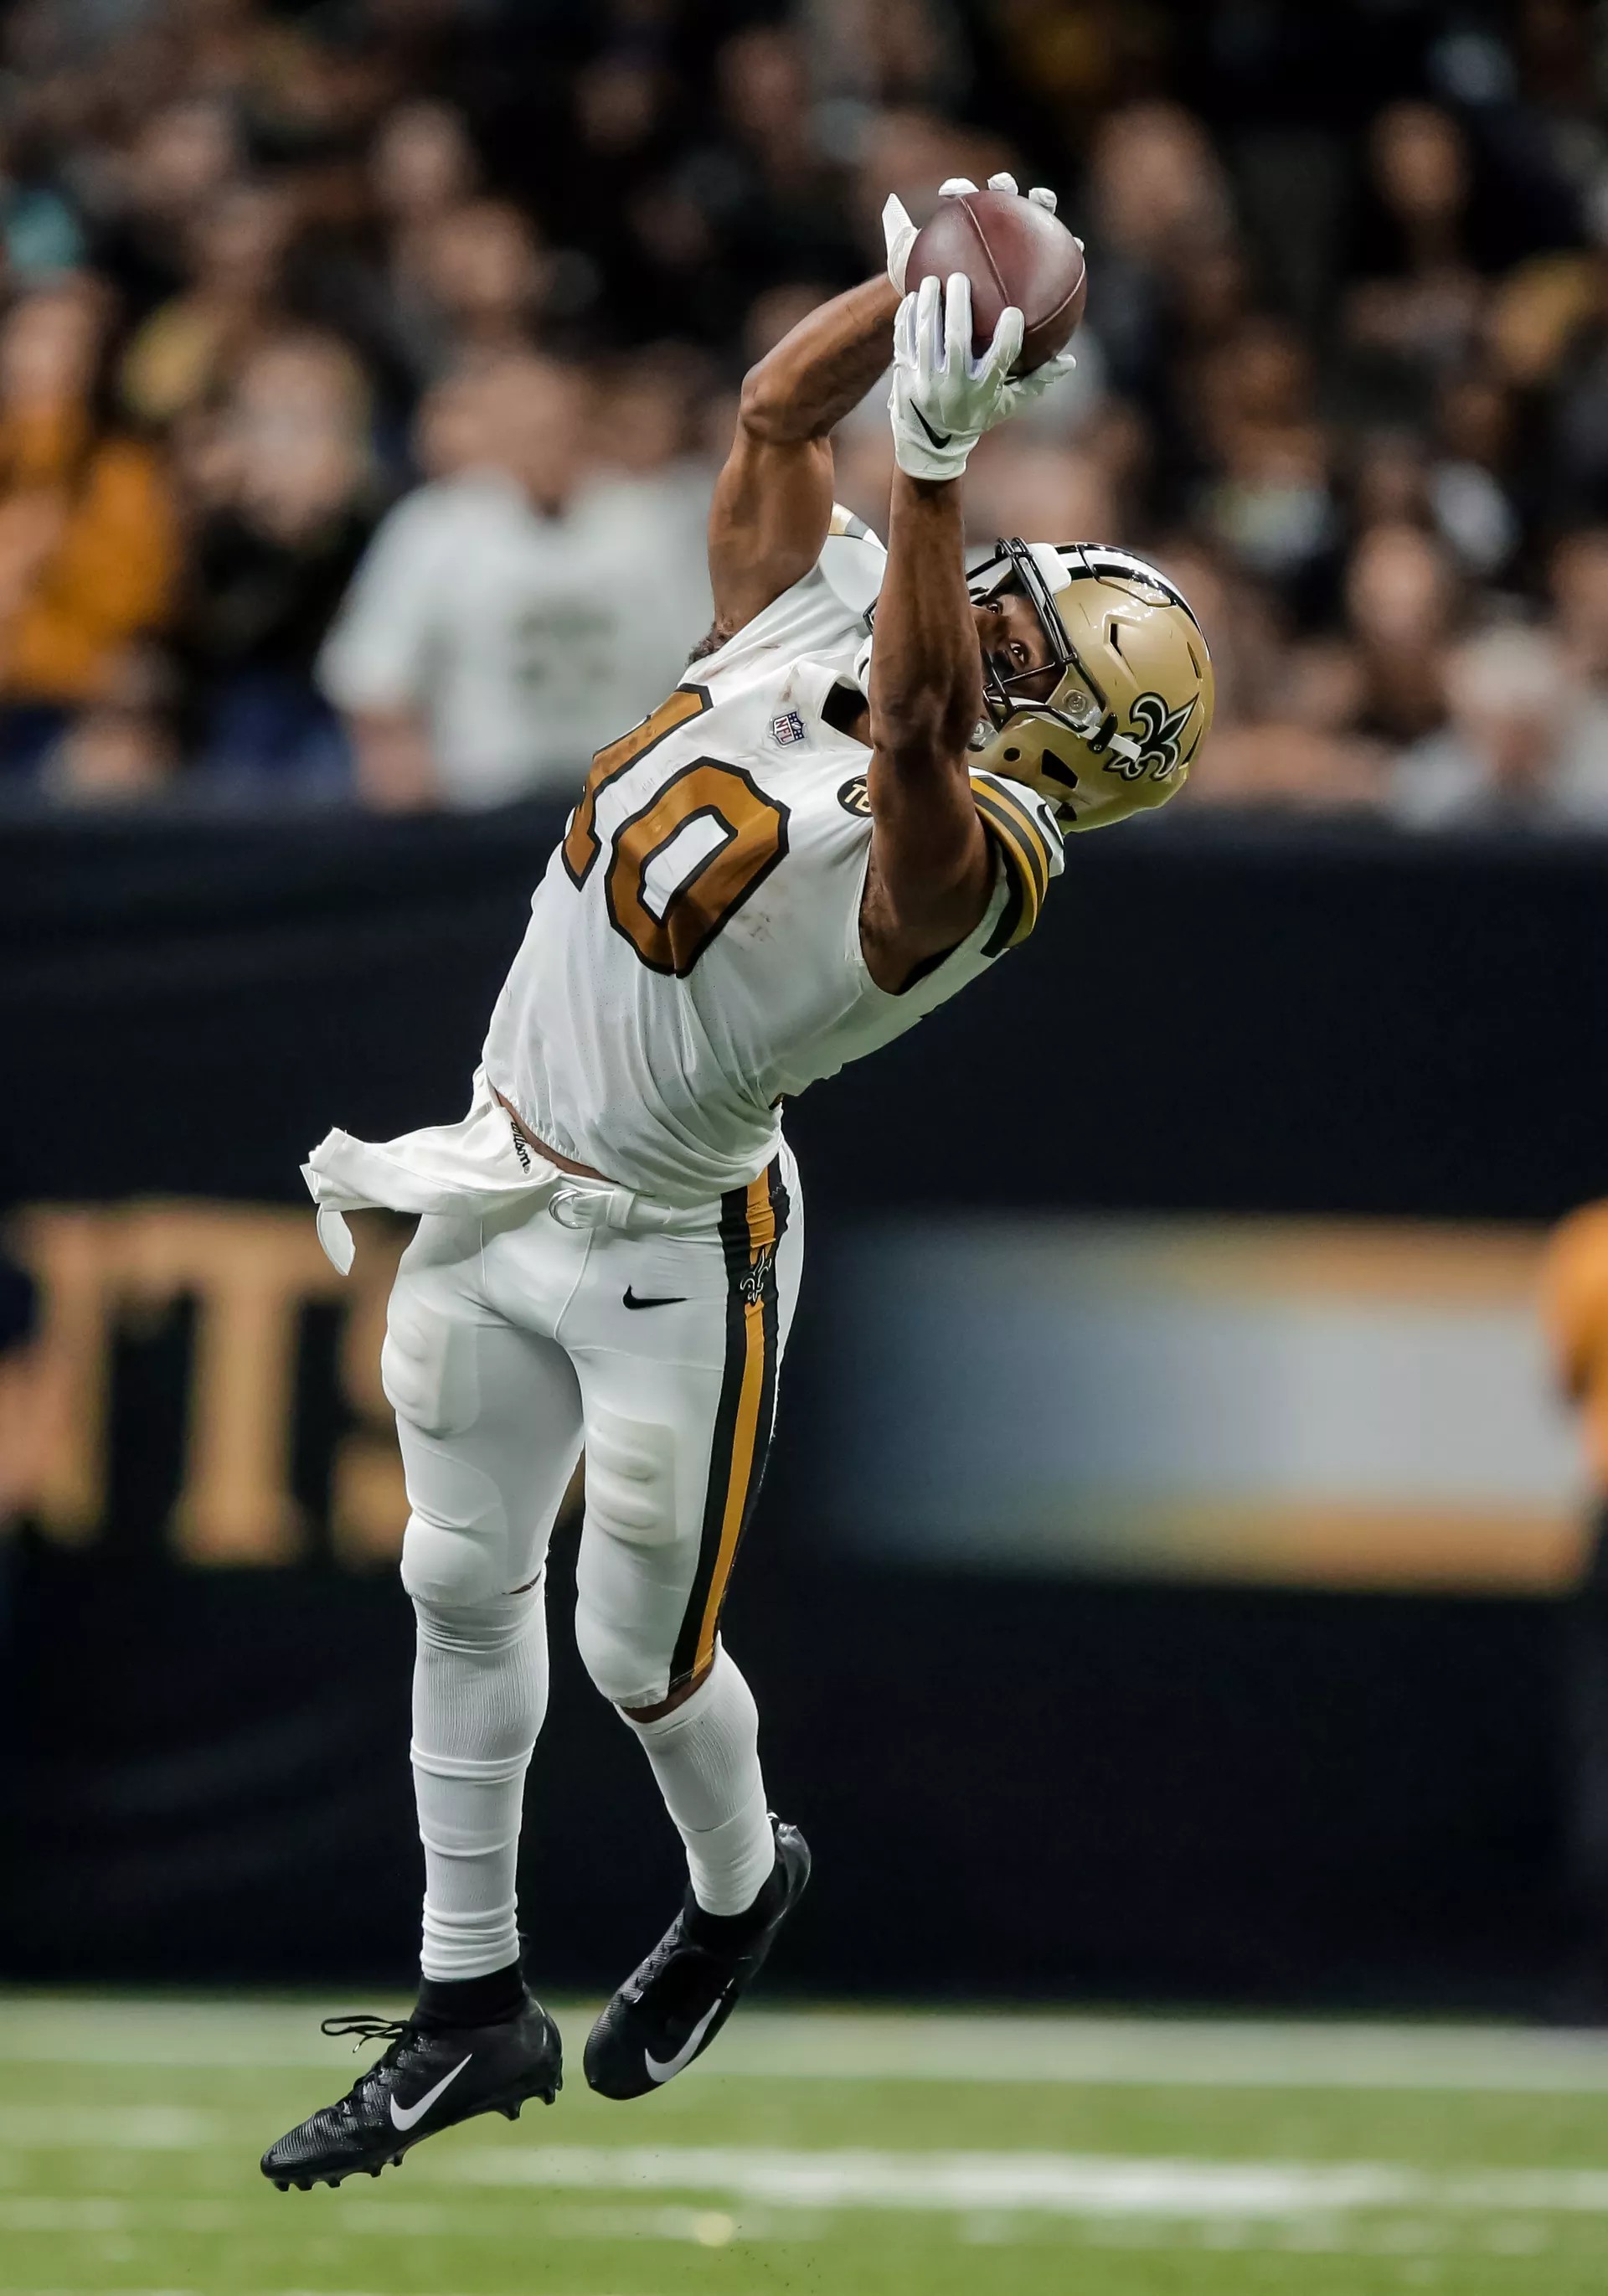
(364, 366)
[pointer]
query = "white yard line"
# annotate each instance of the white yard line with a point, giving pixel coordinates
(1067, 2185)
(1060, 2184)
(830, 2045)
(1165, 2053)
(465, 2217)
(124, 2129)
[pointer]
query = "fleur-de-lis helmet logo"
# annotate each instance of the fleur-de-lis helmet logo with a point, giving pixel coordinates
(1152, 746)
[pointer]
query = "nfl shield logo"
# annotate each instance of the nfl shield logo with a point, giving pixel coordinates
(788, 727)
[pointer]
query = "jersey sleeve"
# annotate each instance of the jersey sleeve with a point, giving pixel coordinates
(852, 561)
(823, 611)
(1031, 852)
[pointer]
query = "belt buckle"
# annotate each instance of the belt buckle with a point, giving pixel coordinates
(569, 1208)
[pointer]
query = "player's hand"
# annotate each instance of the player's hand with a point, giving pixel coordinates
(1021, 390)
(900, 232)
(943, 398)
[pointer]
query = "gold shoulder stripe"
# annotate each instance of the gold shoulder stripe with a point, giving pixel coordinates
(1008, 815)
(1013, 805)
(1008, 931)
(1018, 855)
(1021, 868)
(844, 521)
(1003, 825)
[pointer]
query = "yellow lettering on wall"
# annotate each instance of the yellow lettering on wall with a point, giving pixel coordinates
(368, 1505)
(250, 1270)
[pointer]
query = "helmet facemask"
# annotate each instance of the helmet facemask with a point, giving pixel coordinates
(1132, 691)
(1129, 678)
(1063, 688)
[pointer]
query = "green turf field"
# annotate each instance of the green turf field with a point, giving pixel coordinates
(824, 2154)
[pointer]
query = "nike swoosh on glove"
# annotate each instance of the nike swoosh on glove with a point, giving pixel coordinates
(900, 234)
(943, 400)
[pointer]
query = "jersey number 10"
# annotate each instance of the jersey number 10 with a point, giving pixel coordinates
(682, 865)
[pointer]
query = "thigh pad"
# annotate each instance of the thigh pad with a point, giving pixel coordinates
(630, 1478)
(427, 1365)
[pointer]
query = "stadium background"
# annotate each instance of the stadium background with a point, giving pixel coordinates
(1167, 1581)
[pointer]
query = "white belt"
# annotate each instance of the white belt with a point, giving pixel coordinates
(578, 1203)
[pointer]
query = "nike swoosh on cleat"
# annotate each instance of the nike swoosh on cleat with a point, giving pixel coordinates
(676, 1300)
(689, 2048)
(939, 437)
(407, 2116)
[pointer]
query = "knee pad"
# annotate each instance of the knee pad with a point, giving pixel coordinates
(482, 1629)
(626, 1667)
(454, 1568)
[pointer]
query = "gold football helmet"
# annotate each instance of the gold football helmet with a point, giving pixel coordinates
(1133, 694)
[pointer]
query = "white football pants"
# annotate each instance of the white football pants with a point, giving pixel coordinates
(651, 1340)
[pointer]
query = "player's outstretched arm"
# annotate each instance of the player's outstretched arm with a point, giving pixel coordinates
(773, 501)
(931, 871)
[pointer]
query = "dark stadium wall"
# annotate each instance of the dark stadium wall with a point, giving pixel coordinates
(1017, 1784)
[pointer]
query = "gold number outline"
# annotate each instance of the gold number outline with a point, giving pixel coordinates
(582, 844)
(625, 862)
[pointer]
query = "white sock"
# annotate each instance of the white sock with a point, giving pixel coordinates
(479, 1697)
(706, 1758)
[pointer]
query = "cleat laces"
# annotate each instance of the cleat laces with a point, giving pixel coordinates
(367, 2029)
(398, 2031)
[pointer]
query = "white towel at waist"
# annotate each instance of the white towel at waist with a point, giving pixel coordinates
(479, 1164)
(482, 1164)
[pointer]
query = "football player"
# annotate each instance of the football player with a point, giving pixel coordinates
(852, 805)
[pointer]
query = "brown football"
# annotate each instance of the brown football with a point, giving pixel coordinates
(1013, 252)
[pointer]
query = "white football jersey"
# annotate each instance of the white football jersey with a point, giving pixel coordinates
(693, 952)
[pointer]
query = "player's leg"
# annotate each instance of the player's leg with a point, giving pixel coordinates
(489, 1418)
(680, 1403)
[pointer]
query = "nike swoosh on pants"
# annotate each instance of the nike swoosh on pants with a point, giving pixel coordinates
(688, 2050)
(406, 2116)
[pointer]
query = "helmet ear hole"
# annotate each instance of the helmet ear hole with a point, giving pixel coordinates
(1056, 769)
(1012, 757)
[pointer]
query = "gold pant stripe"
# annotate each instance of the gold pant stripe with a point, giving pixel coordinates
(753, 1220)
(746, 1439)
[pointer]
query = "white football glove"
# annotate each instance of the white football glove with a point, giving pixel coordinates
(943, 400)
(900, 234)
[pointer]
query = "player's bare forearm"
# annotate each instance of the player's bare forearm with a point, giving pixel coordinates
(803, 388)
(773, 501)
(926, 670)
(930, 874)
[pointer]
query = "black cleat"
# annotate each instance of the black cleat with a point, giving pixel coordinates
(430, 2079)
(670, 2008)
